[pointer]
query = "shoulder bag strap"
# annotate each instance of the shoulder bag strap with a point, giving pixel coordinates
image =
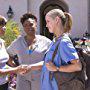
(55, 52)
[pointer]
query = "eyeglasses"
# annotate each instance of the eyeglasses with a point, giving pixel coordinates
(2, 22)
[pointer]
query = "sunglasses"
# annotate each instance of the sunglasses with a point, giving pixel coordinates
(2, 22)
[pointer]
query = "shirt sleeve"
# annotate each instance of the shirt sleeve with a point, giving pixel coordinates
(67, 51)
(11, 49)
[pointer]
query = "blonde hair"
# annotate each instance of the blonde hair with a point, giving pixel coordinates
(66, 18)
(68, 23)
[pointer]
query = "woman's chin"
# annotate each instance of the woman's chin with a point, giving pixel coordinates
(51, 31)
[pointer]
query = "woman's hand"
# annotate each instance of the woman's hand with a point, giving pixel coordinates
(22, 69)
(51, 67)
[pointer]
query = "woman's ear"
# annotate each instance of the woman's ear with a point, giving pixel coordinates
(58, 20)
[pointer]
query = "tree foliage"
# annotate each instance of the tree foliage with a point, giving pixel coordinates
(11, 33)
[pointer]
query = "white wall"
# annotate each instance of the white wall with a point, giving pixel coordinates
(18, 6)
(79, 11)
(34, 8)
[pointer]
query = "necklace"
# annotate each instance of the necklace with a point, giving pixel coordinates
(30, 46)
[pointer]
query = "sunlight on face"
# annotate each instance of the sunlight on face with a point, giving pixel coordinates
(50, 23)
(30, 26)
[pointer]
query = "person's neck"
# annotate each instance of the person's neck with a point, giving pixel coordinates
(59, 32)
(30, 39)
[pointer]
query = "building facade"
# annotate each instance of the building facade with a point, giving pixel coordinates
(80, 10)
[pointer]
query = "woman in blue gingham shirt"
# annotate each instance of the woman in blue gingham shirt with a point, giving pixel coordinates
(60, 24)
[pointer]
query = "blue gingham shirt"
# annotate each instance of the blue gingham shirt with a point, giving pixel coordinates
(66, 52)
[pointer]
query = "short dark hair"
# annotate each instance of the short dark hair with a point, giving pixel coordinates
(26, 16)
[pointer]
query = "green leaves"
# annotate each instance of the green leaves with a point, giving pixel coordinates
(11, 33)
